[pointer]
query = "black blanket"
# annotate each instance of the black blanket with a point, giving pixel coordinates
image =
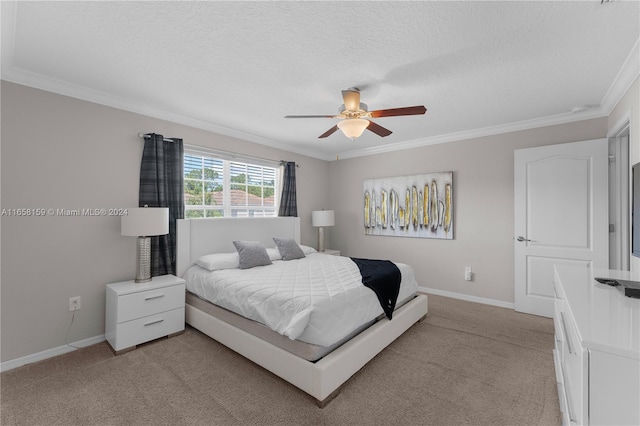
(383, 277)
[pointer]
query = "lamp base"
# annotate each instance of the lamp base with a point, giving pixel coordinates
(143, 260)
(321, 238)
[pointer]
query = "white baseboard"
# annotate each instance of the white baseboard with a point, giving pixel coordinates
(466, 297)
(49, 353)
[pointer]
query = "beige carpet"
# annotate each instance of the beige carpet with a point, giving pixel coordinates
(466, 364)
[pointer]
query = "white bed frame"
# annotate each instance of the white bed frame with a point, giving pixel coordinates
(321, 379)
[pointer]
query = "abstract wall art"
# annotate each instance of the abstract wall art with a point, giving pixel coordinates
(418, 206)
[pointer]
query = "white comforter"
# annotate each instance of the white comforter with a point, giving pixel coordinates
(319, 299)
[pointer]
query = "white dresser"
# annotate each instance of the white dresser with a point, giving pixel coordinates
(597, 349)
(140, 312)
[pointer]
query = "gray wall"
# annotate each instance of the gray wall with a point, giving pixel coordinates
(483, 208)
(60, 152)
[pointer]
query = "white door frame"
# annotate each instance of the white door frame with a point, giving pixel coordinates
(619, 196)
(619, 207)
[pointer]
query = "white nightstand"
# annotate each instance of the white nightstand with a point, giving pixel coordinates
(137, 313)
(331, 252)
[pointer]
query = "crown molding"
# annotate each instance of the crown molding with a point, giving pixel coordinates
(37, 81)
(479, 133)
(624, 79)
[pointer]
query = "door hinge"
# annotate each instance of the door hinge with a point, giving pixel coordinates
(612, 159)
(612, 227)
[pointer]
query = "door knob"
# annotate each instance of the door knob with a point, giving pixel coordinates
(521, 239)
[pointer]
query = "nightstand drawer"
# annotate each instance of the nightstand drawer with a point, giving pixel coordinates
(144, 303)
(135, 332)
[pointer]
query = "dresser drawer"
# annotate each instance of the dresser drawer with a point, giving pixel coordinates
(562, 399)
(134, 332)
(144, 303)
(557, 364)
(559, 332)
(574, 368)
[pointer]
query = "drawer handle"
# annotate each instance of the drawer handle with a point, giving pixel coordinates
(566, 335)
(154, 297)
(154, 322)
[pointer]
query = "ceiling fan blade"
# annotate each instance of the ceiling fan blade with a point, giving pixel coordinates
(378, 129)
(351, 99)
(310, 116)
(394, 112)
(328, 132)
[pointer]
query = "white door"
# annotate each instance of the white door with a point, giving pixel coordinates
(561, 216)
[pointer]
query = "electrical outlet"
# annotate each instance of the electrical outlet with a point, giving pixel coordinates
(468, 275)
(74, 303)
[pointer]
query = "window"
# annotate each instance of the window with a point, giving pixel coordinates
(216, 187)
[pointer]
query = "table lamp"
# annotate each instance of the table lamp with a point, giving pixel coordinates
(144, 222)
(322, 218)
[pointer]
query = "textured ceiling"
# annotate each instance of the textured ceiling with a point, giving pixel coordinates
(238, 68)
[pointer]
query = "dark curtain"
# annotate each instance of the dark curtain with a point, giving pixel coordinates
(288, 201)
(162, 185)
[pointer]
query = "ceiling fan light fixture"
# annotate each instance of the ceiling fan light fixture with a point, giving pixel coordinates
(353, 127)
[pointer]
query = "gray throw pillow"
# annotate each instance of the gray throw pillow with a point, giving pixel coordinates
(251, 254)
(289, 248)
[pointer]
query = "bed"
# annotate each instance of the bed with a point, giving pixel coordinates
(318, 367)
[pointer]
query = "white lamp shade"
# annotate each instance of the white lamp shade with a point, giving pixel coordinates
(145, 221)
(323, 218)
(353, 127)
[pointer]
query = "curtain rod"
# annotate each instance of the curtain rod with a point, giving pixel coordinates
(147, 135)
(233, 154)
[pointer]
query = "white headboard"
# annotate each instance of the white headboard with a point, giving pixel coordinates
(197, 237)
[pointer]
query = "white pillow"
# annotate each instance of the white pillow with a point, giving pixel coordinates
(308, 250)
(217, 261)
(214, 262)
(274, 254)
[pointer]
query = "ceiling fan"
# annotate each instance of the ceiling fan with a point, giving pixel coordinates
(356, 118)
